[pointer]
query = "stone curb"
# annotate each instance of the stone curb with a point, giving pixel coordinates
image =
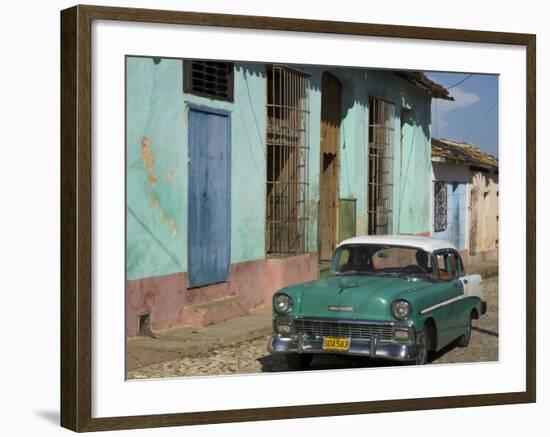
(191, 348)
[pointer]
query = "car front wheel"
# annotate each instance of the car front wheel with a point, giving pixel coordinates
(298, 361)
(422, 347)
(464, 339)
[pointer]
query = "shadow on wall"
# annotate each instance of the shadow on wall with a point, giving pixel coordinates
(254, 137)
(415, 118)
(484, 180)
(345, 75)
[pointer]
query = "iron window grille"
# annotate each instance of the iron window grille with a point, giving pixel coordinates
(287, 160)
(440, 206)
(380, 179)
(209, 79)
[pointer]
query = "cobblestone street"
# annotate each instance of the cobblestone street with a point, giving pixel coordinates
(252, 357)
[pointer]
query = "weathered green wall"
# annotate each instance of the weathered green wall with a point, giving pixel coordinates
(156, 241)
(157, 158)
(347, 218)
(411, 170)
(412, 155)
(248, 164)
(354, 143)
(314, 155)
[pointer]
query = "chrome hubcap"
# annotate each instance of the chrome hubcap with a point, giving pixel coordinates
(468, 332)
(421, 353)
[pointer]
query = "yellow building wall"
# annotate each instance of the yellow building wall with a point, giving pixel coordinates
(484, 216)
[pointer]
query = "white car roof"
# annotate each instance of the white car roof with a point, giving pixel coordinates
(428, 244)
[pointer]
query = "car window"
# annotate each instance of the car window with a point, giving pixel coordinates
(345, 256)
(394, 257)
(353, 258)
(382, 260)
(448, 266)
(453, 264)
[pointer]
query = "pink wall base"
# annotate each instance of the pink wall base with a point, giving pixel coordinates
(251, 284)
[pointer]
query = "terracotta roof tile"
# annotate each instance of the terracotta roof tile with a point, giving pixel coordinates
(451, 151)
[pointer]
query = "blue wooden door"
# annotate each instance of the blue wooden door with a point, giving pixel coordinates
(209, 197)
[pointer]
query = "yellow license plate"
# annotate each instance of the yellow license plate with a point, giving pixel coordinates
(336, 344)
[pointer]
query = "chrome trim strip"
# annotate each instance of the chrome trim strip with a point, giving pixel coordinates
(340, 308)
(355, 321)
(444, 303)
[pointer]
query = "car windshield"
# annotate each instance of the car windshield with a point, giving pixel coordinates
(371, 259)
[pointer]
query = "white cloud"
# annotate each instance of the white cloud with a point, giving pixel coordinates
(440, 108)
(462, 100)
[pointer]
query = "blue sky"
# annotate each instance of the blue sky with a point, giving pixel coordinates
(470, 117)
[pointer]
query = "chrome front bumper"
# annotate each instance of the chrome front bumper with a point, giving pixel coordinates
(372, 347)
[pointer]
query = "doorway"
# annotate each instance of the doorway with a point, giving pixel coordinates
(209, 196)
(328, 181)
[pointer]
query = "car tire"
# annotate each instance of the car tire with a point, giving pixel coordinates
(423, 348)
(298, 361)
(464, 339)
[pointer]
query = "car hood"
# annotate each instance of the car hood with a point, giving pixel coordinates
(356, 296)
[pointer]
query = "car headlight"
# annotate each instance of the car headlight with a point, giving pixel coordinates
(282, 303)
(401, 309)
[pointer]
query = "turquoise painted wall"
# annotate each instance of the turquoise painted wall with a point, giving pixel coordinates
(157, 158)
(354, 142)
(248, 164)
(412, 154)
(412, 167)
(156, 207)
(314, 155)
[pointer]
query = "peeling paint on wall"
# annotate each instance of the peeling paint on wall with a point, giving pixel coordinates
(155, 143)
(485, 213)
(149, 161)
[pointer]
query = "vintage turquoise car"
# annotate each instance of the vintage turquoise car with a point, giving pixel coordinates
(386, 297)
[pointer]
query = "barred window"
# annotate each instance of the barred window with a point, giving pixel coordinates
(209, 79)
(440, 206)
(380, 183)
(287, 160)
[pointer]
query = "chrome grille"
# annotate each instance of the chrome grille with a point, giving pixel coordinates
(321, 328)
